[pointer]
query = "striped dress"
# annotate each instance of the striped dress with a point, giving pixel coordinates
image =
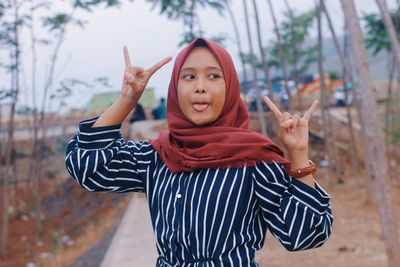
(208, 217)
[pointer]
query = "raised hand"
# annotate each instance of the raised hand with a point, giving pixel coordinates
(293, 131)
(136, 78)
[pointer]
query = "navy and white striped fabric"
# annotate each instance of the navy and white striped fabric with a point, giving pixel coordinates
(208, 217)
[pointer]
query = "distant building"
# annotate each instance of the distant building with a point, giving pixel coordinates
(100, 102)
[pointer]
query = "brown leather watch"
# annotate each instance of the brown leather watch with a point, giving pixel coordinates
(301, 172)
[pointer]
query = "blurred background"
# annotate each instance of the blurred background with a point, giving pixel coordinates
(61, 62)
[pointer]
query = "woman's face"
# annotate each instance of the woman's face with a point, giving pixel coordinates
(201, 87)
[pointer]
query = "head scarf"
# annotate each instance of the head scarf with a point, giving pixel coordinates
(227, 142)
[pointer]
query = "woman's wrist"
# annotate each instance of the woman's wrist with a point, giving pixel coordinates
(116, 113)
(298, 158)
(127, 102)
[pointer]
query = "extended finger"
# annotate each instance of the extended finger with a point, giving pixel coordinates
(311, 110)
(127, 58)
(273, 108)
(157, 66)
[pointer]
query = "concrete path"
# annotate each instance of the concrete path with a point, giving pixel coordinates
(133, 244)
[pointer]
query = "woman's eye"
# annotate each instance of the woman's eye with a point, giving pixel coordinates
(188, 76)
(214, 76)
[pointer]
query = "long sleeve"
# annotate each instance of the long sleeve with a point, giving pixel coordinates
(101, 160)
(298, 215)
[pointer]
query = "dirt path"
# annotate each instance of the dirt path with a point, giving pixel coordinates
(356, 239)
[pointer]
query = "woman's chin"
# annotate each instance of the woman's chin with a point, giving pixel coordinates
(200, 120)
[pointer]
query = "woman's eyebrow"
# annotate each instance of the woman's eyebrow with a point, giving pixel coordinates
(207, 68)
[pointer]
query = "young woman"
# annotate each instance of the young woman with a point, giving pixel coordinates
(213, 186)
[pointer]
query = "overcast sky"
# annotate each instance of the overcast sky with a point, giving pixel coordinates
(97, 50)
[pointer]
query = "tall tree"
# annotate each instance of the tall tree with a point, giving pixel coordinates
(346, 74)
(328, 144)
(264, 63)
(357, 99)
(295, 50)
(13, 23)
(390, 29)
(378, 39)
(294, 32)
(393, 37)
(375, 145)
(11, 37)
(282, 60)
(237, 38)
(260, 111)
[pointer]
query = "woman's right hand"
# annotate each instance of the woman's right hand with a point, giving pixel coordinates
(136, 78)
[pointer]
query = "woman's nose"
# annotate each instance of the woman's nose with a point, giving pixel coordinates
(200, 87)
(200, 90)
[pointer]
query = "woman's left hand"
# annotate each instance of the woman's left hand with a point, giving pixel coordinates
(293, 130)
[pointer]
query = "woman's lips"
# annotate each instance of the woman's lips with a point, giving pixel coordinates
(200, 107)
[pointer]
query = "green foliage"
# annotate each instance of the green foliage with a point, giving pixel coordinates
(248, 58)
(376, 36)
(176, 9)
(293, 35)
(220, 39)
(65, 89)
(188, 37)
(396, 137)
(173, 9)
(89, 4)
(104, 81)
(2, 9)
(186, 11)
(25, 110)
(57, 21)
(5, 94)
(54, 22)
(333, 75)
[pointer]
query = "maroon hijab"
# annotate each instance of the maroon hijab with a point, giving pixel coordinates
(226, 142)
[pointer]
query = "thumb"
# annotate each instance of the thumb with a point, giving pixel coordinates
(129, 78)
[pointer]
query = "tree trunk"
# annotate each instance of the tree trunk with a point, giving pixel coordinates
(295, 60)
(262, 52)
(191, 20)
(391, 68)
(323, 99)
(388, 113)
(394, 43)
(345, 70)
(42, 126)
(238, 42)
(357, 103)
(260, 110)
(282, 60)
(265, 68)
(15, 58)
(373, 128)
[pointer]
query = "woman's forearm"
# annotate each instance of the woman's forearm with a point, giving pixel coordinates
(299, 159)
(117, 112)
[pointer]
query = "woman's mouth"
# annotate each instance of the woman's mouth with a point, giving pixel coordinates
(199, 107)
